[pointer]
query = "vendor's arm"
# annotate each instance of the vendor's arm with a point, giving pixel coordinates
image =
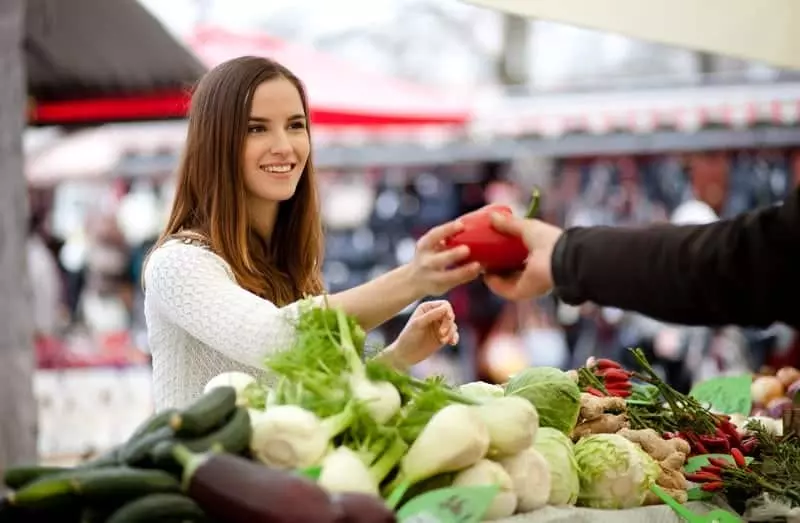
(743, 271)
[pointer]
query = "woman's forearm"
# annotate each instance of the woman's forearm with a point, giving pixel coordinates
(377, 301)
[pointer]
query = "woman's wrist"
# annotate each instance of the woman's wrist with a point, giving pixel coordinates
(391, 357)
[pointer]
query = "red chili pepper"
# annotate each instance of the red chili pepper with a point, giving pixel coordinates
(749, 445)
(711, 469)
(719, 462)
(594, 392)
(713, 441)
(738, 457)
(495, 251)
(605, 363)
(696, 443)
(732, 432)
(713, 486)
(701, 477)
(613, 374)
(619, 393)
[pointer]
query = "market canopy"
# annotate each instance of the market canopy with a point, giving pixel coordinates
(341, 94)
(747, 29)
(96, 61)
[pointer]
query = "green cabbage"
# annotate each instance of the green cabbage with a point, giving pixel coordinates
(558, 450)
(556, 397)
(615, 473)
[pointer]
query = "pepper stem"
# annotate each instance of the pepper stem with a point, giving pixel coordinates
(533, 207)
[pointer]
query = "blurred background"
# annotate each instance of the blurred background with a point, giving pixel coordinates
(422, 110)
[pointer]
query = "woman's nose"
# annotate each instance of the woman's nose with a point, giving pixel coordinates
(280, 144)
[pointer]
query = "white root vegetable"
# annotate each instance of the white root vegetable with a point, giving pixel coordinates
(381, 398)
(484, 473)
(512, 422)
(454, 438)
(238, 380)
(530, 475)
(288, 437)
(344, 471)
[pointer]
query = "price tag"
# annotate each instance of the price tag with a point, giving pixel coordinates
(726, 394)
(449, 505)
(311, 473)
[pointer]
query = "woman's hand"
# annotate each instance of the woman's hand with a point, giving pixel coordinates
(436, 269)
(431, 325)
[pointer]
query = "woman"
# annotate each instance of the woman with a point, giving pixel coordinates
(244, 242)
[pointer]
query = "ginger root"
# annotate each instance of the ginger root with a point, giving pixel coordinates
(600, 416)
(592, 407)
(670, 455)
(654, 445)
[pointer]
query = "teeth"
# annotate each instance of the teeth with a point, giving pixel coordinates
(277, 168)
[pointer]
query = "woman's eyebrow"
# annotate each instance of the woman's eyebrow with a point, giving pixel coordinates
(261, 119)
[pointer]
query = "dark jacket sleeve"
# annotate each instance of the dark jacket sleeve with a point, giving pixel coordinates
(743, 271)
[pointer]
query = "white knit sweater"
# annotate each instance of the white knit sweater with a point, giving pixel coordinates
(200, 322)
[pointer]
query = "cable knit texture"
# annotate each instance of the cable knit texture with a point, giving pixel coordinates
(200, 322)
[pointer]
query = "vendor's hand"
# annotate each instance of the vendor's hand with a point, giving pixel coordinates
(436, 269)
(431, 325)
(537, 278)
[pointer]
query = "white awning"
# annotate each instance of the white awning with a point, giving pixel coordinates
(759, 30)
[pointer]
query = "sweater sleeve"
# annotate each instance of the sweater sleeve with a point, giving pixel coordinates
(743, 271)
(194, 289)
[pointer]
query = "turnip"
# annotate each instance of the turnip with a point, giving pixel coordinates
(512, 422)
(290, 437)
(240, 381)
(455, 438)
(343, 471)
(530, 475)
(488, 473)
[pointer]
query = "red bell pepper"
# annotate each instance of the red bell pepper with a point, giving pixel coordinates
(495, 251)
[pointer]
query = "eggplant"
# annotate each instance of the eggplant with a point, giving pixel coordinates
(354, 507)
(235, 490)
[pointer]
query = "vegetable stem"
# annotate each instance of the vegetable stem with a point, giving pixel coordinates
(189, 461)
(338, 423)
(381, 468)
(533, 207)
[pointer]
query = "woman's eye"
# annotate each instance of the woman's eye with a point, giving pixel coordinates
(297, 125)
(255, 129)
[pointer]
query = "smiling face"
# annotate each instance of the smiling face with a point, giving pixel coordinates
(276, 148)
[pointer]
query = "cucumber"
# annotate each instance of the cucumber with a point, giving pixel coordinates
(108, 459)
(93, 485)
(205, 414)
(154, 422)
(136, 451)
(158, 507)
(17, 477)
(233, 438)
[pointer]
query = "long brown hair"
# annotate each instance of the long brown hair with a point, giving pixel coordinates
(210, 196)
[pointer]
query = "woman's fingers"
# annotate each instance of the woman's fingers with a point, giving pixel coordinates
(432, 239)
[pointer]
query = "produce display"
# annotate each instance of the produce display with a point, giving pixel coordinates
(337, 437)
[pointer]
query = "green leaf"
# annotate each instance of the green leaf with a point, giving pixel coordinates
(726, 394)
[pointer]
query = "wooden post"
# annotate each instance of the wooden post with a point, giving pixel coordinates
(18, 410)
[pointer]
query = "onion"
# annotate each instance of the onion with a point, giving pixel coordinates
(765, 389)
(776, 407)
(793, 389)
(788, 375)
